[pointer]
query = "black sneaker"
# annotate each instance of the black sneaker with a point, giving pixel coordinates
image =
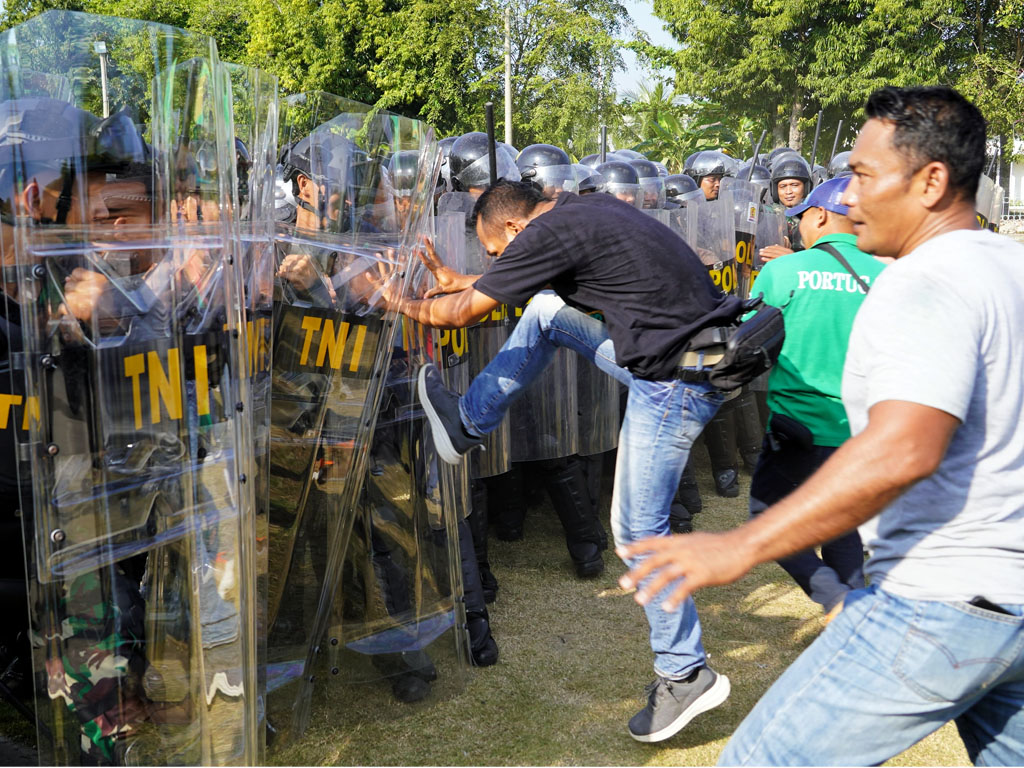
(727, 483)
(442, 409)
(671, 704)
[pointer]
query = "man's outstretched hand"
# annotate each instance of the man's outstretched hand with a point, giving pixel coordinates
(448, 280)
(690, 561)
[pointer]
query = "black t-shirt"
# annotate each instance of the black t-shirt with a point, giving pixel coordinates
(600, 254)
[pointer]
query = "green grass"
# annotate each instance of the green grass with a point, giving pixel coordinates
(574, 662)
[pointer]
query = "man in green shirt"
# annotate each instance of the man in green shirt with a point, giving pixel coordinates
(819, 296)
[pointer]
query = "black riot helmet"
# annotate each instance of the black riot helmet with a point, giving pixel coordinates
(790, 166)
(708, 163)
(620, 179)
(662, 170)
(469, 163)
(679, 184)
(652, 182)
(629, 154)
(645, 169)
(618, 172)
(547, 167)
(403, 171)
(758, 173)
(44, 132)
(464, 162)
(770, 160)
(587, 179)
(540, 156)
(839, 165)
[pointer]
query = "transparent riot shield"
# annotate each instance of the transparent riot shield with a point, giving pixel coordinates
(771, 230)
(745, 205)
(597, 408)
(254, 99)
(544, 422)
(997, 209)
(677, 222)
(484, 339)
(983, 200)
(349, 238)
(660, 214)
(710, 232)
(139, 520)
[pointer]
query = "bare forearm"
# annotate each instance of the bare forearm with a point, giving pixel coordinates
(448, 311)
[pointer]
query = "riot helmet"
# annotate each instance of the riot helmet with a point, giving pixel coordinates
(43, 135)
(839, 165)
(651, 182)
(679, 184)
(662, 170)
(548, 168)
(757, 173)
(707, 169)
(469, 163)
(790, 167)
(629, 154)
(775, 153)
(621, 180)
(587, 179)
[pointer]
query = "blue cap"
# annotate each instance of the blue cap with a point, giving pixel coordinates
(826, 195)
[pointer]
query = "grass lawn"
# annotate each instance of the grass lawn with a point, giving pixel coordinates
(574, 663)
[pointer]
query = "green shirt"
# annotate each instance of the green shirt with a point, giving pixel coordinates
(819, 300)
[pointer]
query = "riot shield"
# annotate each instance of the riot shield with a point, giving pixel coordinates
(138, 522)
(544, 422)
(710, 232)
(484, 339)
(983, 199)
(745, 204)
(597, 403)
(340, 366)
(997, 209)
(255, 111)
(660, 214)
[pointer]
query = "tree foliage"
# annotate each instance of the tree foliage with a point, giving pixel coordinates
(780, 61)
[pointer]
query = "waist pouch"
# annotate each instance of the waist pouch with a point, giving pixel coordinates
(751, 346)
(784, 430)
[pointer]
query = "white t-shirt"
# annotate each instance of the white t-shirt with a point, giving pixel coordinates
(944, 327)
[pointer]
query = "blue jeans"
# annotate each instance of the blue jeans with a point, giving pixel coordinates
(662, 420)
(885, 674)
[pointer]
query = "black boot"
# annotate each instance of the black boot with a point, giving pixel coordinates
(686, 503)
(720, 438)
(477, 521)
(506, 504)
(482, 646)
(749, 429)
(567, 486)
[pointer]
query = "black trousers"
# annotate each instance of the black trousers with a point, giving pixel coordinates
(840, 568)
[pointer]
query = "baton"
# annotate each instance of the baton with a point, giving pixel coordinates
(839, 130)
(757, 149)
(814, 146)
(492, 147)
(604, 143)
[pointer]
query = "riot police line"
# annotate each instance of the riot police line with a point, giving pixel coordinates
(231, 506)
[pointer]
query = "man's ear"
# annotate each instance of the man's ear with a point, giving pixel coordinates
(30, 200)
(513, 226)
(932, 183)
(822, 215)
(305, 184)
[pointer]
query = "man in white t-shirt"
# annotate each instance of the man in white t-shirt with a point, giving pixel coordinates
(934, 390)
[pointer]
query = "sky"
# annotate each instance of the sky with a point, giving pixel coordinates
(643, 16)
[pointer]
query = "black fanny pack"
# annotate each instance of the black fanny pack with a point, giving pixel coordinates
(752, 346)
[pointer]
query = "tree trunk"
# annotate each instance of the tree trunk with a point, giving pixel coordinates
(795, 111)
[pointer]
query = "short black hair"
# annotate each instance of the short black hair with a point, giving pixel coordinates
(507, 199)
(934, 124)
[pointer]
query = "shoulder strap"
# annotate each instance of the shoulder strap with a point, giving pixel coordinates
(828, 248)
